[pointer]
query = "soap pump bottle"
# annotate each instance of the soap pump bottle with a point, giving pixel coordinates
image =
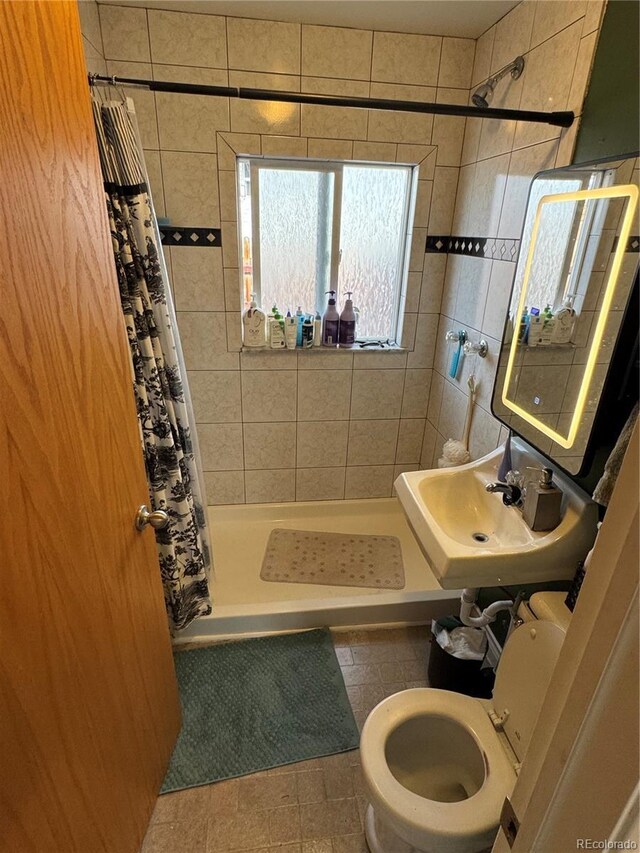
(254, 325)
(542, 503)
(348, 323)
(330, 322)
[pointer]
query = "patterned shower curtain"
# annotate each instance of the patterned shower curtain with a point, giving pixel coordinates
(169, 446)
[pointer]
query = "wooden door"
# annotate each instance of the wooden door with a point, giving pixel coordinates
(88, 702)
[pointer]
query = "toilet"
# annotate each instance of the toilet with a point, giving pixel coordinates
(438, 765)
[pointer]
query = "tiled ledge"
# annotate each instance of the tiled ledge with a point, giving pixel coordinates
(316, 351)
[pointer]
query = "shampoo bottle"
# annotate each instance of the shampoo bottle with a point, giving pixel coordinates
(276, 330)
(299, 321)
(330, 322)
(290, 330)
(317, 330)
(254, 325)
(348, 323)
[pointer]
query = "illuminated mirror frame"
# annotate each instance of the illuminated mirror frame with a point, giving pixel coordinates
(629, 191)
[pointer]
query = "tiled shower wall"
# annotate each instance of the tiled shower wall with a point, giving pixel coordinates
(499, 159)
(285, 426)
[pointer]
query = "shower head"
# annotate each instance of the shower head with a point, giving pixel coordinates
(484, 93)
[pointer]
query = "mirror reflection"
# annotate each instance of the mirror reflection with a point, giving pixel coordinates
(576, 269)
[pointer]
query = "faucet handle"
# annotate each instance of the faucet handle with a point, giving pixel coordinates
(546, 475)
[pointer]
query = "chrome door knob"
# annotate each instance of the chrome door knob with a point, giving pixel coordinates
(157, 519)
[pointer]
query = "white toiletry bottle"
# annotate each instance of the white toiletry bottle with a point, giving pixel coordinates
(254, 325)
(276, 330)
(290, 330)
(348, 323)
(565, 320)
(317, 330)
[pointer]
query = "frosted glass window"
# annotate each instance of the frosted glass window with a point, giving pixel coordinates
(312, 226)
(372, 240)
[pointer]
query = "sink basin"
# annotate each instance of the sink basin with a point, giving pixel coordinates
(471, 539)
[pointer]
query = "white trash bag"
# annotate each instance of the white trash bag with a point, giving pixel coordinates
(462, 643)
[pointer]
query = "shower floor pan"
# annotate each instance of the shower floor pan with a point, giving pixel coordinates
(243, 604)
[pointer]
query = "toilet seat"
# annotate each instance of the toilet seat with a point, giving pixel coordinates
(445, 827)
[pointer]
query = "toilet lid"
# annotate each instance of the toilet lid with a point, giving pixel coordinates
(522, 679)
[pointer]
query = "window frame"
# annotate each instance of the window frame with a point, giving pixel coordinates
(258, 163)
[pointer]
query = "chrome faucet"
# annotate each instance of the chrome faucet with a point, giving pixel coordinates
(511, 493)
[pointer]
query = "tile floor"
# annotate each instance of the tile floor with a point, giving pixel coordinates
(314, 806)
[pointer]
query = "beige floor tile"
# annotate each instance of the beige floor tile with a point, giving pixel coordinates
(394, 687)
(261, 791)
(350, 844)
(311, 786)
(321, 846)
(240, 831)
(321, 820)
(358, 781)
(337, 776)
(176, 837)
(223, 797)
(284, 824)
(191, 804)
(414, 670)
(345, 656)
(360, 674)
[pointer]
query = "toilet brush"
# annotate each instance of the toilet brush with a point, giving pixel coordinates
(454, 452)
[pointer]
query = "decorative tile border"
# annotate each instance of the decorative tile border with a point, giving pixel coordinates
(178, 235)
(495, 248)
(633, 243)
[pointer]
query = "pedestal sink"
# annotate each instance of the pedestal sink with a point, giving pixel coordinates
(471, 539)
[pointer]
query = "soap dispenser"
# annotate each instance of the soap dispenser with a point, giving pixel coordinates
(254, 325)
(330, 322)
(348, 323)
(542, 503)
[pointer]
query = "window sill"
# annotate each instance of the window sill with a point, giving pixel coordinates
(311, 351)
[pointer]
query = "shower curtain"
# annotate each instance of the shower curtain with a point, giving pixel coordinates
(162, 401)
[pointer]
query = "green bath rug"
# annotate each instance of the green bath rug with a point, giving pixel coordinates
(258, 703)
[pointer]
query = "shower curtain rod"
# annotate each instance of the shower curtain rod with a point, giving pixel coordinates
(559, 119)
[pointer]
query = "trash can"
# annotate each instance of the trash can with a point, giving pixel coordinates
(447, 670)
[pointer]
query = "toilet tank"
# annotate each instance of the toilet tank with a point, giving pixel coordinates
(522, 678)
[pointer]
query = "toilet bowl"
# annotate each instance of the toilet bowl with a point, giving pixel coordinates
(438, 765)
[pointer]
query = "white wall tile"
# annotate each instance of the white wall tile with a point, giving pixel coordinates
(216, 396)
(269, 395)
(495, 312)
(513, 35)
(409, 447)
(383, 360)
(395, 126)
(443, 200)
(320, 484)
(415, 398)
(336, 52)
(224, 487)
(220, 446)
(190, 122)
(324, 395)
(376, 394)
(473, 285)
(377, 152)
(433, 273)
(456, 62)
(373, 481)
(191, 74)
(204, 337)
(322, 444)
(372, 442)
(264, 45)
(333, 122)
(428, 446)
(550, 18)
(284, 146)
(406, 58)
(270, 486)
(197, 278)
(93, 59)
(482, 58)
(272, 117)
(230, 145)
(523, 165)
(191, 188)
(269, 445)
(331, 149)
(181, 38)
(426, 329)
(90, 24)
(124, 33)
(335, 86)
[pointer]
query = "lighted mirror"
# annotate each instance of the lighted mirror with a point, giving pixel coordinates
(575, 274)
